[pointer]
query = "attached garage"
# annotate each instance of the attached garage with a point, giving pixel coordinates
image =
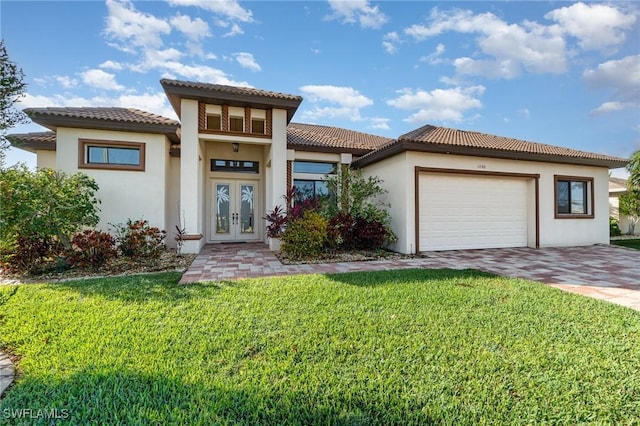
(469, 210)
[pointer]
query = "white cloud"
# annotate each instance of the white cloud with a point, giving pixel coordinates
(434, 57)
(101, 80)
(508, 47)
(622, 78)
(193, 29)
(111, 65)
(228, 8)
(438, 104)
(234, 31)
(344, 102)
(360, 11)
(125, 24)
(199, 73)
(390, 42)
(613, 106)
(66, 82)
(246, 60)
(596, 26)
(524, 112)
(379, 123)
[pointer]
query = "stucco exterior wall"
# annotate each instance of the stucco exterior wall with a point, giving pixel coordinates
(45, 159)
(398, 174)
(173, 211)
(124, 194)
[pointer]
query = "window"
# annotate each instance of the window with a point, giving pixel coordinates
(574, 197)
(214, 122)
(311, 188)
(235, 166)
(236, 124)
(257, 126)
(314, 168)
(111, 155)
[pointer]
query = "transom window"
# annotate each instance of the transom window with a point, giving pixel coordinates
(574, 197)
(313, 167)
(235, 166)
(236, 124)
(111, 155)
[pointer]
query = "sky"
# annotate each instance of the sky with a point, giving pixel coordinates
(561, 73)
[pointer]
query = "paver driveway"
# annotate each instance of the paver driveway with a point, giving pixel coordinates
(604, 272)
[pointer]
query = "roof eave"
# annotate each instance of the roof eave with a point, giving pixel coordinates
(402, 146)
(52, 123)
(175, 93)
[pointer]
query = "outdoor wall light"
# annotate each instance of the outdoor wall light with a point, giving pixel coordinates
(235, 146)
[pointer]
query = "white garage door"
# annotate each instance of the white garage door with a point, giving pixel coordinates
(471, 212)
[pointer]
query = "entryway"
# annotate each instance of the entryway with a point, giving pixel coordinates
(233, 211)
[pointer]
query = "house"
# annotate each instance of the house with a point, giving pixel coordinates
(618, 187)
(236, 151)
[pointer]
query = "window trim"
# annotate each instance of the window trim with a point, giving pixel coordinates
(590, 202)
(83, 154)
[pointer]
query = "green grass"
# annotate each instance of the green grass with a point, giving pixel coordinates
(631, 243)
(393, 347)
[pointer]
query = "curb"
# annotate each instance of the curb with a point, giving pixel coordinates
(7, 372)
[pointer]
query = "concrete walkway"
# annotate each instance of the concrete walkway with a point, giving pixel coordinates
(7, 373)
(603, 272)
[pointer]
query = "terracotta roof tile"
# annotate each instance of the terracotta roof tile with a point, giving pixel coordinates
(315, 136)
(445, 136)
(234, 90)
(34, 141)
(111, 114)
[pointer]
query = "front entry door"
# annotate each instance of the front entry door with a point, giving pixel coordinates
(233, 212)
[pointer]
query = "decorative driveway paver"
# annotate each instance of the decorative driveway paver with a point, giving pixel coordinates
(603, 272)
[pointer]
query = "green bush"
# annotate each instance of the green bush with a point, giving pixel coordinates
(614, 227)
(138, 240)
(305, 237)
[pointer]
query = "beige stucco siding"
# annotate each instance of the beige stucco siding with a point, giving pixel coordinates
(45, 159)
(124, 194)
(398, 174)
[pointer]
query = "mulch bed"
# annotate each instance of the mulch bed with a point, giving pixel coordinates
(350, 256)
(168, 261)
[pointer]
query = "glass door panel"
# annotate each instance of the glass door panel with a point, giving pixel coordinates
(223, 208)
(247, 192)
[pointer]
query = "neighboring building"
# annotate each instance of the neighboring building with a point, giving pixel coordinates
(618, 187)
(235, 152)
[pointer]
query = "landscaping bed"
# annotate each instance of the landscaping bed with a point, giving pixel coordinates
(346, 256)
(631, 242)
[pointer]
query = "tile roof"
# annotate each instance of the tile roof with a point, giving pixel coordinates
(232, 90)
(309, 136)
(617, 185)
(34, 141)
(111, 114)
(442, 139)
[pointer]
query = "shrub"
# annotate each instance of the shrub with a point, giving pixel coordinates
(369, 234)
(138, 240)
(276, 222)
(340, 231)
(46, 204)
(92, 248)
(305, 237)
(33, 254)
(614, 227)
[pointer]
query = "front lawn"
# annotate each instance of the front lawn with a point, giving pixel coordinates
(633, 243)
(393, 347)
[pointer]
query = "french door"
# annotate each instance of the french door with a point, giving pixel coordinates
(233, 214)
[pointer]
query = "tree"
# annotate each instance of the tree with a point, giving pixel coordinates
(629, 205)
(634, 170)
(12, 88)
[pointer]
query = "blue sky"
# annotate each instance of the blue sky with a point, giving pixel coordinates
(562, 73)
